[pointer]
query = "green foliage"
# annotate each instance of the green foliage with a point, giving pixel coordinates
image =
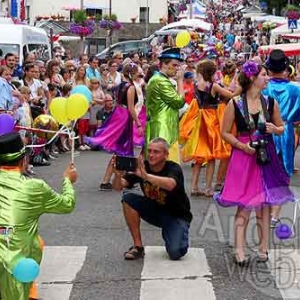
(290, 7)
(80, 16)
(98, 17)
(113, 17)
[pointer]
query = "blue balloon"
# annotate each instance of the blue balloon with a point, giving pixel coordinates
(283, 231)
(26, 270)
(83, 90)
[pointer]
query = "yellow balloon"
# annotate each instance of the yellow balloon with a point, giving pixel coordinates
(45, 122)
(77, 106)
(183, 38)
(58, 109)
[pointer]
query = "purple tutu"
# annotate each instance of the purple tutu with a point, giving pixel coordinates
(116, 133)
(250, 185)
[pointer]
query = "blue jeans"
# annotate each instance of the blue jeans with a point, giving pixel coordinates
(175, 231)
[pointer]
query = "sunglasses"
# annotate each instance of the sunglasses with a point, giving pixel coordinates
(105, 69)
(190, 61)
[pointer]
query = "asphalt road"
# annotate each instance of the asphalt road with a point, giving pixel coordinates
(97, 223)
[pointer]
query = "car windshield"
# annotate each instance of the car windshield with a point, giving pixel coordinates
(9, 48)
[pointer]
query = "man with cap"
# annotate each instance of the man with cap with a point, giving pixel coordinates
(287, 94)
(22, 201)
(163, 101)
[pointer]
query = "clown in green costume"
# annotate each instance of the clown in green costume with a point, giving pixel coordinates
(163, 101)
(22, 201)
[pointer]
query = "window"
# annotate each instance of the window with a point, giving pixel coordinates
(144, 14)
(90, 12)
(93, 12)
(41, 51)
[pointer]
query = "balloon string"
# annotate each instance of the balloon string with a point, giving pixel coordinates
(51, 140)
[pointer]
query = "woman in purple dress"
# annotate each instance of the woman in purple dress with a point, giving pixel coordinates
(256, 177)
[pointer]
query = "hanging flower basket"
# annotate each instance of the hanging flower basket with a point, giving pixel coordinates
(110, 24)
(293, 15)
(81, 25)
(84, 29)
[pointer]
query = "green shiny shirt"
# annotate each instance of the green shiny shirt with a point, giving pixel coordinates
(163, 103)
(22, 201)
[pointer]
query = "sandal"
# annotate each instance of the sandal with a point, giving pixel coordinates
(134, 252)
(197, 193)
(209, 193)
(262, 257)
(218, 187)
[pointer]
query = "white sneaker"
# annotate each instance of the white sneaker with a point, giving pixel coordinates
(82, 148)
(87, 147)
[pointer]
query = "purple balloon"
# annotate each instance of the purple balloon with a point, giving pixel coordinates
(7, 123)
(283, 231)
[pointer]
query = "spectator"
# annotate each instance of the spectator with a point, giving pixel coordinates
(92, 70)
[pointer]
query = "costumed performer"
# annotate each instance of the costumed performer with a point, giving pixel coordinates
(23, 200)
(163, 101)
(256, 178)
(200, 128)
(287, 94)
(116, 134)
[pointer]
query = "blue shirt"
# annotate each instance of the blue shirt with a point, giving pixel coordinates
(92, 73)
(6, 99)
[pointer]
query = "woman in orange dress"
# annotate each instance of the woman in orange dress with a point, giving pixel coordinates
(200, 128)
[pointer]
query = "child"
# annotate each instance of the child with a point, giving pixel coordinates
(25, 120)
(97, 103)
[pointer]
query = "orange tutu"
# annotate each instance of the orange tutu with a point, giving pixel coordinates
(204, 142)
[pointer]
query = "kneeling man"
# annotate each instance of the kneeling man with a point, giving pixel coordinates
(164, 204)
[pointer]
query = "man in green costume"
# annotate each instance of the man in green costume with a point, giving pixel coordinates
(22, 201)
(163, 100)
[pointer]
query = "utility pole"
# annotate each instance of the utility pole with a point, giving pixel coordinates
(191, 9)
(81, 38)
(147, 20)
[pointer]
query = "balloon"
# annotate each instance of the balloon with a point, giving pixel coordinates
(283, 231)
(183, 38)
(77, 106)
(58, 109)
(45, 122)
(83, 90)
(7, 123)
(26, 270)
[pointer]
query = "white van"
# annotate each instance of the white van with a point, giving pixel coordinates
(21, 39)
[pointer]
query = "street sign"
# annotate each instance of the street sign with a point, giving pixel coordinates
(292, 24)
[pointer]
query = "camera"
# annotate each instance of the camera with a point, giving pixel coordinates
(262, 157)
(126, 163)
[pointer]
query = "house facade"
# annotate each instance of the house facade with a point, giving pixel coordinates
(126, 11)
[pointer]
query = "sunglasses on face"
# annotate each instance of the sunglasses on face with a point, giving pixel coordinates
(190, 61)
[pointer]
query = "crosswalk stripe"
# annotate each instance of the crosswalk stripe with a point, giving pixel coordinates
(165, 279)
(285, 268)
(58, 271)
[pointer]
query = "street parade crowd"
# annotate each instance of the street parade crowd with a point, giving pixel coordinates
(220, 102)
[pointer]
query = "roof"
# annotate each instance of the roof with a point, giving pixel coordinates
(50, 24)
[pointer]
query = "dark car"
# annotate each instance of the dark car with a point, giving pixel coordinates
(126, 48)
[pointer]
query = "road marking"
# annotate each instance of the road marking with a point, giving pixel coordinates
(58, 271)
(285, 268)
(185, 279)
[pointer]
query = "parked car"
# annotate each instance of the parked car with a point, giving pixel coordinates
(126, 47)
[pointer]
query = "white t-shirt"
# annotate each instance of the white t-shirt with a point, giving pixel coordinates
(34, 87)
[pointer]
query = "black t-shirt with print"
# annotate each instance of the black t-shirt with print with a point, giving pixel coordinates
(175, 202)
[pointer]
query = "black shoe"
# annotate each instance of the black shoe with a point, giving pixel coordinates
(241, 263)
(106, 186)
